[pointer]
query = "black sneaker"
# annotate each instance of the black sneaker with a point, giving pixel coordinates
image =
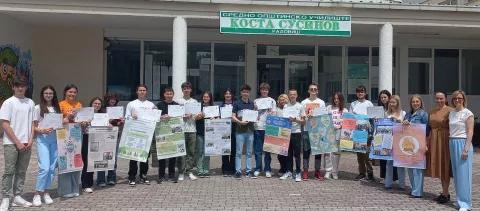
(131, 183)
(144, 180)
(251, 175)
(172, 178)
(359, 177)
(371, 178)
(238, 175)
(442, 199)
(160, 180)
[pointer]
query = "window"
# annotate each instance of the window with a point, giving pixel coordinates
(199, 65)
(470, 71)
(446, 70)
(329, 71)
(357, 70)
(123, 68)
(418, 77)
(157, 68)
(420, 53)
(286, 50)
(229, 70)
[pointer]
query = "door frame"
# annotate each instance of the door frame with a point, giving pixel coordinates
(427, 98)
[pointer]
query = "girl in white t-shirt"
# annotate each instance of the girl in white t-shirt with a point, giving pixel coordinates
(337, 109)
(461, 150)
(395, 113)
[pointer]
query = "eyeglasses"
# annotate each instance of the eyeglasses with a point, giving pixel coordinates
(458, 98)
(313, 89)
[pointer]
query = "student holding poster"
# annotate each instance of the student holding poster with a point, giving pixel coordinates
(46, 145)
(282, 100)
(228, 161)
(360, 106)
(140, 103)
(244, 133)
(395, 113)
(265, 105)
(309, 104)
(69, 183)
(188, 162)
(383, 99)
(332, 160)
(461, 122)
(416, 115)
(203, 162)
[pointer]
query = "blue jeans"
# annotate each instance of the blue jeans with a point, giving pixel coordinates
(47, 160)
(247, 140)
(258, 140)
(389, 175)
(416, 181)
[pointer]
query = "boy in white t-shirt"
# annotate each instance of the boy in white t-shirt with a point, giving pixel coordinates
(365, 168)
(17, 115)
(309, 104)
(265, 105)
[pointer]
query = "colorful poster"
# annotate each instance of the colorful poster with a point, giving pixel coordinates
(382, 140)
(277, 135)
(102, 148)
(69, 145)
(218, 134)
(170, 139)
(409, 145)
(354, 133)
(322, 134)
(136, 140)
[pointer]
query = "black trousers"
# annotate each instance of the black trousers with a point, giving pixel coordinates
(228, 161)
(171, 167)
(87, 177)
(294, 150)
(133, 169)
(383, 169)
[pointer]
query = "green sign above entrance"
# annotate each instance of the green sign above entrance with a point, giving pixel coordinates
(285, 24)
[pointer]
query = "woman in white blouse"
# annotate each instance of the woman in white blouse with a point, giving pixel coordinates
(461, 149)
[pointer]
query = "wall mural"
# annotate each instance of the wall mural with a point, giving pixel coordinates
(15, 63)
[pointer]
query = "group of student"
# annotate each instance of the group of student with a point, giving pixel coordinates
(450, 131)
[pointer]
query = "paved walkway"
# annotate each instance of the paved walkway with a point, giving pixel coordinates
(226, 193)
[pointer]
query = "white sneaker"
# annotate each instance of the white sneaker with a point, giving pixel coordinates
(298, 177)
(256, 173)
(181, 177)
(268, 174)
(47, 198)
(463, 209)
(88, 190)
(19, 201)
(327, 175)
(286, 176)
(70, 195)
(192, 177)
(76, 194)
(37, 200)
(334, 176)
(5, 204)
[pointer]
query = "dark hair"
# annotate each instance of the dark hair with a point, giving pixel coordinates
(186, 84)
(168, 89)
(313, 84)
(444, 94)
(231, 93)
(211, 97)
(18, 82)
(68, 87)
(264, 85)
(141, 85)
(246, 87)
(362, 88)
(292, 90)
(43, 102)
(341, 99)
(101, 102)
(380, 103)
(108, 97)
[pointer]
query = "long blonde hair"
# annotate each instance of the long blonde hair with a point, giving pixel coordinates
(398, 111)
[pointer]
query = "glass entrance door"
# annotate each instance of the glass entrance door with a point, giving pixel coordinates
(272, 71)
(300, 75)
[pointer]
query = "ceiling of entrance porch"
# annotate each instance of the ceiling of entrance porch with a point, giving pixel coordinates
(165, 23)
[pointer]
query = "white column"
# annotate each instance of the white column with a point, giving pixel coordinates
(179, 55)
(385, 57)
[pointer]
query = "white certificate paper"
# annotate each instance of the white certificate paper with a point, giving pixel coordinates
(376, 112)
(84, 114)
(211, 111)
(263, 103)
(149, 114)
(100, 120)
(249, 115)
(226, 112)
(291, 112)
(175, 111)
(193, 108)
(319, 111)
(51, 120)
(115, 112)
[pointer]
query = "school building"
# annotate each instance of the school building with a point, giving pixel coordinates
(415, 47)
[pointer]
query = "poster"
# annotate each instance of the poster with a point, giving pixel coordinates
(102, 148)
(322, 134)
(277, 135)
(136, 140)
(409, 145)
(218, 133)
(354, 133)
(69, 145)
(170, 139)
(382, 140)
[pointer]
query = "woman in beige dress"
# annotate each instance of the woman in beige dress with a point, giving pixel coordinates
(438, 155)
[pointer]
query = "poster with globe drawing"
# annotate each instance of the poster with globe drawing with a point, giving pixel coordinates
(409, 146)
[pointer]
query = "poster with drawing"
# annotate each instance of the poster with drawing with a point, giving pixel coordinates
(102, 148)
(218, 134)
(69, 146)
(409, 145)
(322, 134)
(382, 140)
(170, 139)
(136, 139)
(354, 133)
(277, 135)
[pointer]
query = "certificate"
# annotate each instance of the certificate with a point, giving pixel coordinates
(100, 120)
(249, 115)
(263, 103)
(291, 112)
(84, 114)
(175, 110)
(115, 112)
(51, 120)
(319, 111)
(193, 108)
(149, 114)
(211, 111)
(376, 112)
(226, 112)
